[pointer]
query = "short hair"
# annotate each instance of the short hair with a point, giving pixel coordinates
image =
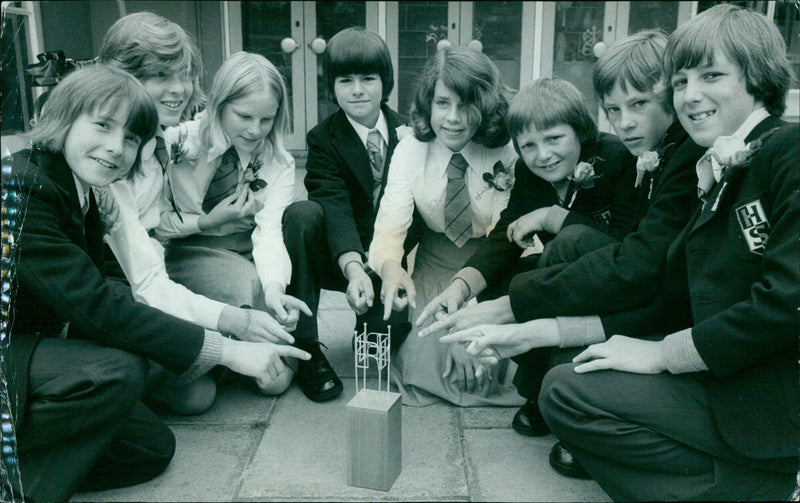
(546, 103)
(635, 61)
(357, 50)
(746, 38)
(87, 90)
(243, 74)
(476, 80)
(146, 45)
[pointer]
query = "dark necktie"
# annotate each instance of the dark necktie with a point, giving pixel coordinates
(161, 153)
(457, 213)
(225, 180)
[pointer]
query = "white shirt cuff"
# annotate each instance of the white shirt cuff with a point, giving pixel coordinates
(576, 331)
(680, 354)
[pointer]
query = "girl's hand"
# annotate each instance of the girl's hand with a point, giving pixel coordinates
(396, 281)
(238, 205)
(622, 353)
(285, 308)
(445, 303)
(252, 325)
(520, 229)
(469, 374)
(498, 310)
(360, 294)
(257, 359)
(489, 344)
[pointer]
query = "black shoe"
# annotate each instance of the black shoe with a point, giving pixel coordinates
(565, 463)
(528, 421)
(316, 377)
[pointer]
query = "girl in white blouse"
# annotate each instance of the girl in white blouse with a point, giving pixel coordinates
(231, 179)
(444, 171)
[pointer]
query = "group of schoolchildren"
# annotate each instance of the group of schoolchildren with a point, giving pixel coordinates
(636, 295)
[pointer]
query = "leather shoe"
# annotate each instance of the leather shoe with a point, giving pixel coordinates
(565, 463)
(528, 421)
(316, 377)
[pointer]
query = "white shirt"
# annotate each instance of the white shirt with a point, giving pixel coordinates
(189, 179)
(142, 261)
(363, 131)
(418, 178)
(148, 187)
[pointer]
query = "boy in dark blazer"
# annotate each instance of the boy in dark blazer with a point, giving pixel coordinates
(348, 159)
(78, 356)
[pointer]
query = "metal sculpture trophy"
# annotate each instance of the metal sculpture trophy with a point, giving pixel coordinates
(375, 437)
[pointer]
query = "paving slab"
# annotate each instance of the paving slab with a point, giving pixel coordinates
(506, 466)
(304, 453)
(207, 466)
(488, 417)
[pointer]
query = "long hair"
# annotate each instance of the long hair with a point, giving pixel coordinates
(146, 45)
(240, 75)
(476, 81)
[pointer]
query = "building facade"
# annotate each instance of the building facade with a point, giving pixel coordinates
(527, 40)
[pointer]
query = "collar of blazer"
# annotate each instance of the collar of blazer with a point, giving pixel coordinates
(346, 141)
(56, 168)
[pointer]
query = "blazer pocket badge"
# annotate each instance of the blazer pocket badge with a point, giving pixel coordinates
(754, 225)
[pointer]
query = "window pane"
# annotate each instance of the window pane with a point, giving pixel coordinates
(17, 97)
(421, 25)
(649, 15)
(264, 25)
(579, 26)
(498, 25)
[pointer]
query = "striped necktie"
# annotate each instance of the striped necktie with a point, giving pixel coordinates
(375, 151)
(457, 213)
(225, 180)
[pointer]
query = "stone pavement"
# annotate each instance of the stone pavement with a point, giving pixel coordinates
(249, 447)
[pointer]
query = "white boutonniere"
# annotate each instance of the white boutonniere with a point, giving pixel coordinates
(181, 148)
(501, 178)
(728, 155)
(583, 177)
(646, 163)
(403, 131)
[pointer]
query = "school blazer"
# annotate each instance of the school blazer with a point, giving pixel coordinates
(339, 178)
(624, 275)
(733, 275)
(59, 278)
(608, 206)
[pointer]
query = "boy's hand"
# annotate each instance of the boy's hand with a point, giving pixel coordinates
(396, 281)
(285, 308)
(445, 303)
(360, 294)
(622, 353)
(469, 374)
(519, 230)
(252, 325)
(257, 359)
(498, 311)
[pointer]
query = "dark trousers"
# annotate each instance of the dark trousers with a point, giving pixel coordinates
(568, 246)
(313, 269)
(84, 426)
(653, 438)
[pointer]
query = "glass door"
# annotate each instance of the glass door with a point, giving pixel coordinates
(293, 36)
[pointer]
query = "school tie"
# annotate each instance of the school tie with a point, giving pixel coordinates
(161, 153)
(225, 180)
(457, 214)
(375, 152)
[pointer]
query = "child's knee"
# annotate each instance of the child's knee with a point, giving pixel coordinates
(276, 386)
(194, 398)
